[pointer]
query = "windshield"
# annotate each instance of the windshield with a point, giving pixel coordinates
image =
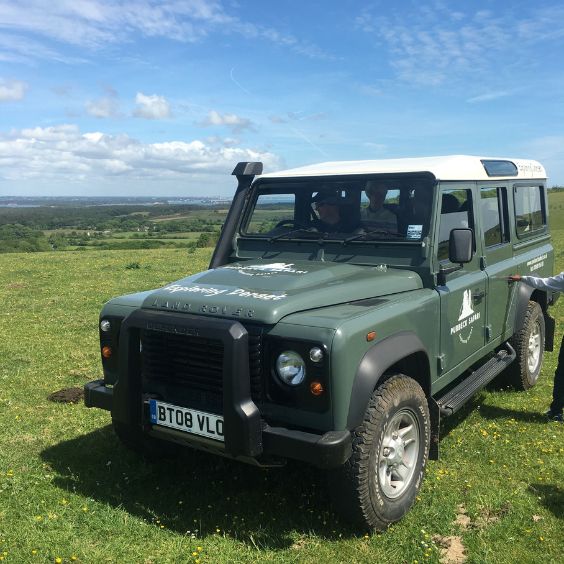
(365, 208)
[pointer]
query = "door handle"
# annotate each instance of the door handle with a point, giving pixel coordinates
(478, 295)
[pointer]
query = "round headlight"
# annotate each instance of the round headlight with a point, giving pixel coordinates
(290, 368)
(105, 325)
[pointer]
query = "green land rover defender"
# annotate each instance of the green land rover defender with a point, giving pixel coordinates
(348, 306)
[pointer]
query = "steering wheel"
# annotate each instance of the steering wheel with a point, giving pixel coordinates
(288, 223)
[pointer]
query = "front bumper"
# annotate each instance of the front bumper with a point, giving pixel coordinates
(329, 450)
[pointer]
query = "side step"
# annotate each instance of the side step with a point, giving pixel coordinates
(454, 399)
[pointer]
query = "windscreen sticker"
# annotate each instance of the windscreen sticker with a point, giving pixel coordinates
(212, 292)
(414, 231)
(466, 318)
(266, 269)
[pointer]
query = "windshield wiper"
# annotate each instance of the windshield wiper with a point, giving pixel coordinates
(372, 232)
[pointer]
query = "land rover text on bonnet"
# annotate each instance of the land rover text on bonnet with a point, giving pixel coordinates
(348, 307)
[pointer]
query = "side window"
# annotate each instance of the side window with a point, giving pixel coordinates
(530, 215)
(493, 206)
(456, 211)
(269, 211)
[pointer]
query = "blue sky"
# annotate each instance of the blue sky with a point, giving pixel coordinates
(139, 97)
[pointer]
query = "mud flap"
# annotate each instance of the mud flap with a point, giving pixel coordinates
(550, 326)
(435, 413)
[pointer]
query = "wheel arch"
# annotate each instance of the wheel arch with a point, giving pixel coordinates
(526, 294)
(400, 353)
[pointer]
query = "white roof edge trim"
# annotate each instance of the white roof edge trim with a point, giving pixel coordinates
(450, 167)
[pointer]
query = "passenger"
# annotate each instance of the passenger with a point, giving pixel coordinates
(376, 216)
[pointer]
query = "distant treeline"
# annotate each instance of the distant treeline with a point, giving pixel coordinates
(24, 229)
(21, 239)
(97, 218)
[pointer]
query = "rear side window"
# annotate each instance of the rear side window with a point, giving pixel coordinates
(530, 215)
(493, 203)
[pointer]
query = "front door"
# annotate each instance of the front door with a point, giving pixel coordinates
(463, 296)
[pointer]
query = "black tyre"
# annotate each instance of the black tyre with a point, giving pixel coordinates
(379, 482)
(528, 343)
(135, 440)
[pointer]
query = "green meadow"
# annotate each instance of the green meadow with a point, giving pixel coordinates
(69, 492)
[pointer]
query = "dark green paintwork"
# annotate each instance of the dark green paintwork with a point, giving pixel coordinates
(259, 291)
(337, 303)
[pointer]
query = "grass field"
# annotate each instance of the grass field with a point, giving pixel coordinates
(70, 492)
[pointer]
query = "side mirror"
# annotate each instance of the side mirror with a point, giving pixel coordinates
(461, 246)
(460, 251)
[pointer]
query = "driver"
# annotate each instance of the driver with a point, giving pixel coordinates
(327, 205)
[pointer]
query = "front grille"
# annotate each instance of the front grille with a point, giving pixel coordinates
(188, 370)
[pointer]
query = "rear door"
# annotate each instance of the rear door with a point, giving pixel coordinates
(497, 257)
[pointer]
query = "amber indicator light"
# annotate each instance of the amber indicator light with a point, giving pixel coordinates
(371, 336)
(316, 388)
(106, 352)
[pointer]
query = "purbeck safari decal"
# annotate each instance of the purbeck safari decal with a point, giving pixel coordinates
(266, 269)
(466, 318)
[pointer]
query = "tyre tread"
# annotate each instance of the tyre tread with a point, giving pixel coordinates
(517, 371)
(350, 484)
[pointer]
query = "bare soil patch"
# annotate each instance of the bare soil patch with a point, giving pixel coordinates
(67, 395)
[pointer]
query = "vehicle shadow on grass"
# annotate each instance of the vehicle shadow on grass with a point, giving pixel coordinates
(198, 493)
(494, 412)
(551, 496)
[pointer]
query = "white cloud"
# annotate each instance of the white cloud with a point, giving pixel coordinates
(12, 90)
(297, 116)
(94, 24)
(488, 96)
(62, 153)
(232, 121)
(278, 119)
(102, 107)
(48, 134)
(105, 107)
(16, 48)
(151, 107)
(433, 44)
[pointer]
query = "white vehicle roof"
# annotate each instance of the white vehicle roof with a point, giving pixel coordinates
(451, 167)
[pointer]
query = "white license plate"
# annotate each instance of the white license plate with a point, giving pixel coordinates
(184, 419)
